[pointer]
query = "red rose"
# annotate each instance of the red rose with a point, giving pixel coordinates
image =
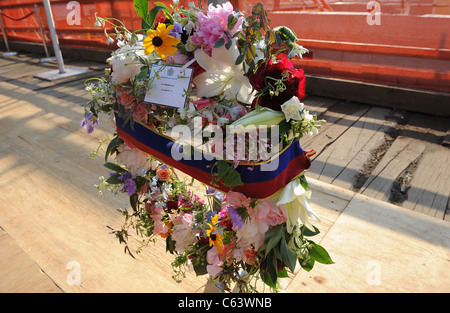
(172, 205)
(280, 69)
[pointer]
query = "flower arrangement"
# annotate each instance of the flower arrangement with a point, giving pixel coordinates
(242, 77)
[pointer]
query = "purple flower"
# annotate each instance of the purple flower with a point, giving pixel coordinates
(236, 219)
(129, 185)
(176, 31)
(89, 122)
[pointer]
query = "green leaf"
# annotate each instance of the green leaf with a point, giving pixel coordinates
(278, 40)
(145, 26)
(170, 245)
(219, 43)
(304, 182)
(257, 9)
(288, 256)
(319, 254)
(273, 238)
(200, 269)
(283, 273)
(141, 8)
(232, 20)
(144, 73)
(272, 266)
(283, 128)
(309, 233)
(115, 142)
(240, 59)
(228, 44)
(151, 17)
(114, 167)
(134, 202)
(307, 265)
(265, 277)
(288, 34)
(114, 180)
(230, 176)
(166, 10)
(162, 5)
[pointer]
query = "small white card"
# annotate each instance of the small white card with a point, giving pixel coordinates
(170, 85)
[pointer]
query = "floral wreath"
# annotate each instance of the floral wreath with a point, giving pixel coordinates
(242, 76)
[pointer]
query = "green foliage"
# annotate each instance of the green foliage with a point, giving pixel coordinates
(148, 18)
(283, 249)
(114, 167)
(114, 143)
(254, 27)
(227, 173)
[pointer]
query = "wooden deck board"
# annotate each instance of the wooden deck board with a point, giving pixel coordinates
(430, 188)
(20, 274)
(337, 164)
(339, 117)
(402, 153)
(378, 247)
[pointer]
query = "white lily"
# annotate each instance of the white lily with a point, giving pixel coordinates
(294, 201)
(222, 75)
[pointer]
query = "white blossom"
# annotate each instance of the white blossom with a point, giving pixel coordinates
(292, 109)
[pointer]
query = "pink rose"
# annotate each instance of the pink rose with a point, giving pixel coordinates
(270, 213)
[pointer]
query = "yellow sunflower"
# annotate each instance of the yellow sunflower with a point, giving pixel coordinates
(214, 236)
(160, 41)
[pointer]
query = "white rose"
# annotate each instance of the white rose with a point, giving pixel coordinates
(125, 62)
(292, 109)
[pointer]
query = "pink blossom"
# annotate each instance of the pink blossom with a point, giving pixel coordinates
(182, 230)
(270, 213)
(182, 218)
(159, 227)
(204, 103)
(237, 199)
(252, 233)
(214, 267)
(210, 27)
(178, 58)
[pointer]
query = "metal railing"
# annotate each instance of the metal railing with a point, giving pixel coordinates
(35, 10)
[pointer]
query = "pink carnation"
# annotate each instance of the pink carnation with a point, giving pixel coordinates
(210, 27)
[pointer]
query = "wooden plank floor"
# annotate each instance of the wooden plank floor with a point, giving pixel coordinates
(395, 156)
(52, 216)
